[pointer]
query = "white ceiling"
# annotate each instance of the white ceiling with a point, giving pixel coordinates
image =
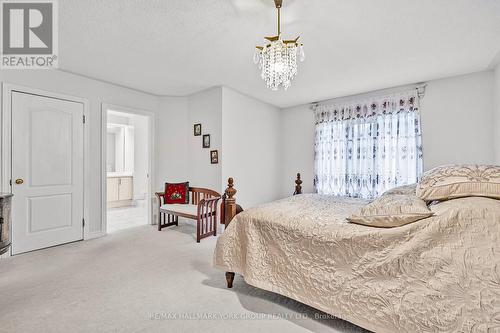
(178, 47)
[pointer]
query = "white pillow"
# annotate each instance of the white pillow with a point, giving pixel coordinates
(456, 181)
(392, 210)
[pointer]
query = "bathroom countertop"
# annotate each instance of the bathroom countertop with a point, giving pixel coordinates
(119, 174)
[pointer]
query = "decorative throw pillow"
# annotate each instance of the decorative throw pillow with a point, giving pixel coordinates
(456, 181)
(392, 210)
(404, 189)
(177, 193)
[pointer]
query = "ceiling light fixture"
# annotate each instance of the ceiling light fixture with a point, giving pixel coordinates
(278, 59)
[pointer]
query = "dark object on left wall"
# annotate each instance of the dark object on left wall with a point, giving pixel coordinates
(197, 129)
(5, 221)
(214, 156)
(206, 141)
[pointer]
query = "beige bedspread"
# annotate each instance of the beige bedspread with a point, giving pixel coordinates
(441, 274)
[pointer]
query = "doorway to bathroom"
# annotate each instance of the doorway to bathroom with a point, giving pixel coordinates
(127, 155)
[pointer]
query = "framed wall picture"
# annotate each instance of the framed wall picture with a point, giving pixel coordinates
(214, 156)
(197, 129)
(206, 141)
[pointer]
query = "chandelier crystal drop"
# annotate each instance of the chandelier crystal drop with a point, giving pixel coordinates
(278, 59)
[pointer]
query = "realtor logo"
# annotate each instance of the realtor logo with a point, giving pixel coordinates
(29, 34)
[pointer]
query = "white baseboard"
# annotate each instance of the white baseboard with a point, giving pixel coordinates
(118, 204)
(91, 235)
(140, 196)
(94, 234)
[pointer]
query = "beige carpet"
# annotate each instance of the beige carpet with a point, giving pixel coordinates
(142, 280)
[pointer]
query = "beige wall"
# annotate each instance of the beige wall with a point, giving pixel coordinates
(457, 120)
(245, 131)
(496, 123)
(251, 151)
(297, 144)
(171, 141)
(204, 107)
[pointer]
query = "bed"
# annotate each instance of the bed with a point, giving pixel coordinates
(439, 274)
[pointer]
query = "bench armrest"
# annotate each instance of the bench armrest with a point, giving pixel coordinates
(161, 198)
(208, 206)
(208, 200)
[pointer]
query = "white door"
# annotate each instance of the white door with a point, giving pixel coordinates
(47, 172)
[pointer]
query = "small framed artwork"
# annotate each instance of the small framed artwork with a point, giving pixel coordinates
(214, 156)
(197, 129)
(206, 141)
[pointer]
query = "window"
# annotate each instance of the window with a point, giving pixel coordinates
(364, 148)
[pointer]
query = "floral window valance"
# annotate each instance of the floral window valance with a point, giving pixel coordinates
(367, 108)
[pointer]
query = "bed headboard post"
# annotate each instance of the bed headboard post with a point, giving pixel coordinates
(230, 202)
(298, 188)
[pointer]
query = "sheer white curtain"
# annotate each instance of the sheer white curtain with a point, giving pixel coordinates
(364, 148)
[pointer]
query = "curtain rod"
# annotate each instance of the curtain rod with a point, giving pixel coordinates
(420, 87)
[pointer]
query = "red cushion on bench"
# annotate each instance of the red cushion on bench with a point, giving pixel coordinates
(177, 193)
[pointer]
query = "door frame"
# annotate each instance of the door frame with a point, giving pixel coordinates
(151, 157)
(6, 142)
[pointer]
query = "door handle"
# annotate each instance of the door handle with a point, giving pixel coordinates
(19, 181)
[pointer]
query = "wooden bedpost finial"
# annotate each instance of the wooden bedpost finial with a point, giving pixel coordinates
(230, 190)
(298, 188)
(230, 207)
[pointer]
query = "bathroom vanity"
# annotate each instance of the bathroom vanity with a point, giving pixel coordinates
(120, 165)
(120, 190)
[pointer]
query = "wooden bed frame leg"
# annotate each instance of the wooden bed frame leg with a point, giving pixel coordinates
(229, 279)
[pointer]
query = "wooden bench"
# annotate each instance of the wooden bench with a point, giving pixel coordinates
(202, 208)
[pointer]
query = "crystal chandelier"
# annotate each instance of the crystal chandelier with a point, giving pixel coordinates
(278, 59)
